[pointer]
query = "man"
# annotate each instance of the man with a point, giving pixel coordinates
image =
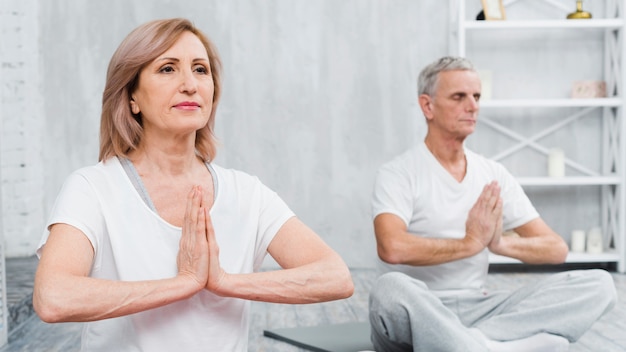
(438, 209)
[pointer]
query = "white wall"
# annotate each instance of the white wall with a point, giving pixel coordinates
(21, 129)
(317, 94)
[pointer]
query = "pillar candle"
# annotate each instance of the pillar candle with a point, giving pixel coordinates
(485, 84)
(594, 241)
(556, 163)
(578, 241)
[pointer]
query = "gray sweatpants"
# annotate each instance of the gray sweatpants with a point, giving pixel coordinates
(406, 316)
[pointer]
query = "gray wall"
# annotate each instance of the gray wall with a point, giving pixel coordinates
(317, 94)
(21, 132)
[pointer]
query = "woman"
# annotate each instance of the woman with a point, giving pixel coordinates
(155, 247)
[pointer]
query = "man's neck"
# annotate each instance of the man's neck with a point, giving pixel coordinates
(450, 154)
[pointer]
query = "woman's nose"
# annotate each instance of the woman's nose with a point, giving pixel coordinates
(188, 82)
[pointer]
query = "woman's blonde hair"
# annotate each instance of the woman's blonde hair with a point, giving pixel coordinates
(120, 130)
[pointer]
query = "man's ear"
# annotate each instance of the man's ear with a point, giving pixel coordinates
(426, 103)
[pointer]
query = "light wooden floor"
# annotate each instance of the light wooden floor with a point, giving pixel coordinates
(607, 335)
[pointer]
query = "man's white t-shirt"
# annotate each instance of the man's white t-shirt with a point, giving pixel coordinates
(133, 243)
(418, 189)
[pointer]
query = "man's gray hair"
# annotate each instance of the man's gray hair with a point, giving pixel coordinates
(428, 78)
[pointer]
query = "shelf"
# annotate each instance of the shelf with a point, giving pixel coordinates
(606, 257)
(551, 103)
(545, 24)
(608, 32)
(570, 181)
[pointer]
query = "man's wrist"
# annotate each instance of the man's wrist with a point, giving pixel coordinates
(474, 244)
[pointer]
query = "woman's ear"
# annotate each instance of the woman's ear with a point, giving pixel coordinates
(134, 108)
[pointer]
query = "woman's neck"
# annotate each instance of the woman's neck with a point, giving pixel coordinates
(173, 158)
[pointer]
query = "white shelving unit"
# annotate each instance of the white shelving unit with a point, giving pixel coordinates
(611, 179)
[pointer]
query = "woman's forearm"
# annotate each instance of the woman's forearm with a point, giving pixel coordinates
(64, 298)
(325, 280)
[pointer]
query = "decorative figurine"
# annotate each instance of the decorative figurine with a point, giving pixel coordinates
(579, 14)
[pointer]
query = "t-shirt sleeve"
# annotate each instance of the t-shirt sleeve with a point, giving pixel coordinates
(76, 205)
(518, 209)
(392, 193)
(273, 214)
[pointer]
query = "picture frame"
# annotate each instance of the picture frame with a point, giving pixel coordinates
(493, 9)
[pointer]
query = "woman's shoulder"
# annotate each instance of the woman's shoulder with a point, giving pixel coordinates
(231, 175)
(104, 171)
(104, 166)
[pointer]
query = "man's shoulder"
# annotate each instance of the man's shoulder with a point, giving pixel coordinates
(406, 159)
(489, 168)
(480, 159)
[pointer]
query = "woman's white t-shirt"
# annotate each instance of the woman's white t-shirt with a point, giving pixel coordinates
(417, 188)
(132, 243)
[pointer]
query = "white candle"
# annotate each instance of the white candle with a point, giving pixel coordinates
(594, 241)
(578, 241)
(556, 163)
(485, 83)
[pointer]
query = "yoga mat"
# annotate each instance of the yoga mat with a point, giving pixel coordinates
(348, 337)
